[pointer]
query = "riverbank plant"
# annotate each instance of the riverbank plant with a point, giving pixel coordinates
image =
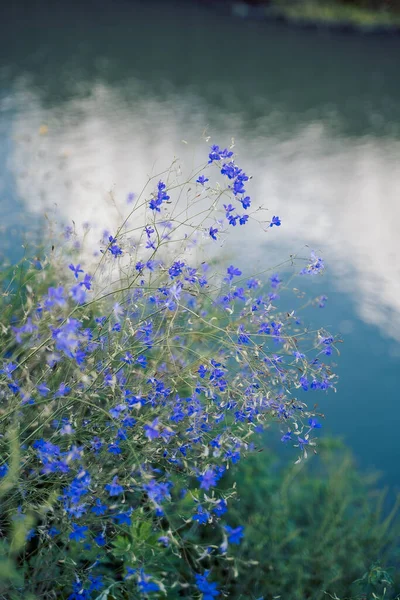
(312, 529)
(132, 385)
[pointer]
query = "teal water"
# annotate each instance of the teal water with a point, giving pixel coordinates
(95, 96)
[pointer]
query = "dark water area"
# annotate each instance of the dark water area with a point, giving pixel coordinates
(94, 94)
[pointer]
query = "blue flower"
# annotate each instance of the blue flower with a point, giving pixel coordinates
(113, 247)
(161, 197)
(8, 368)
(220, 508)
(314, 424)
(62, 391)
(87, 281)
(99, 508)
(233, 272)
(176, 269)
(304, 383)
(164, 540)
(100, 539)
(123, 518)
(78, 532)
(208, 479)
(217, 154)
(275, 221)
(314, 267)
(201, 515)
(79, 593)
(202, 371)
(234, 535)
(202, 180)
(151, 430)
(76, 270)
(207, 588)
(78, 294)
(142, 361)
(54, 296)
(96, 583)
(145, 585)
(114, 488)
(213, 232)
(245, 202)
(275, 281)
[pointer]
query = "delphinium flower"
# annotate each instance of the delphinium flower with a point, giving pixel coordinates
(275, 221)
(314, 267)
(235, 534)
(76, 270)
(202, 179)
(146, 389)
(114, 488)
(159, 198)
(209, 589)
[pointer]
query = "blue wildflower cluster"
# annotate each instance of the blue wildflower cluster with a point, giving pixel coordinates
(125, 405)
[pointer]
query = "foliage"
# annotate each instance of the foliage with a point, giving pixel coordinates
(311, 529)
(130, 387)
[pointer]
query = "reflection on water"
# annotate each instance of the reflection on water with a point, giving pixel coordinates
(334, 193)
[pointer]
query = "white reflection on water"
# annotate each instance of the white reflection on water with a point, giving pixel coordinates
(339, 195)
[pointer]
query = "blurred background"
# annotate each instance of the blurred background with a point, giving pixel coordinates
(96, 95)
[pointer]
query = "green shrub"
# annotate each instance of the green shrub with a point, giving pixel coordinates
(311, 528)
